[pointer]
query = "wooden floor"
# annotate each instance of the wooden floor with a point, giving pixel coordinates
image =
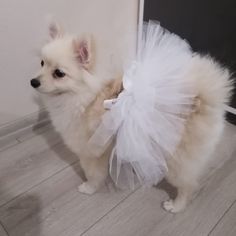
(38, 195)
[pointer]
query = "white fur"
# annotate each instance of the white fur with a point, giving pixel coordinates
(202, 131)
(75, 113)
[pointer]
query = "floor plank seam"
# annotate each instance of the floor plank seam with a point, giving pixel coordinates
(34, 186)
(91, 226)
(8, 147)
(5, 230)
(34, 134)
(19, 141)
(227, 210)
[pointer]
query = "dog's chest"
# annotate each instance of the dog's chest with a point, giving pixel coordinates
(71, 129)
(75, 127)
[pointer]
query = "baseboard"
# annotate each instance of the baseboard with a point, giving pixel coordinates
(231, 110)
(39, 119)
(231, 114)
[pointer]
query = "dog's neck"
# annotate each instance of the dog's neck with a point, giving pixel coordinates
(69, 111)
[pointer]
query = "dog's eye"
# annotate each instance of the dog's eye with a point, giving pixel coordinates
(42, 63)
(58, 73)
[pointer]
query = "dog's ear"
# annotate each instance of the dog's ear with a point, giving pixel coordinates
(55, 30)
(84, 51)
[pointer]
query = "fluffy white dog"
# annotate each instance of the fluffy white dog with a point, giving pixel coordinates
(74, 96)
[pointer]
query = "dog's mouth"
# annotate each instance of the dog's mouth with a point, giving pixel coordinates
(57, 93)
(53, 94)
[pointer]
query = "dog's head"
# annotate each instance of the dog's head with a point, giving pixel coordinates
(66, 63)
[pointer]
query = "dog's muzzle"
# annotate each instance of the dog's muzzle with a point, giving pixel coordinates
(35, 83)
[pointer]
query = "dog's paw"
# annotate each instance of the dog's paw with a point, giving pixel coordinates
(87, 188)
(173, 206)
(168, 205)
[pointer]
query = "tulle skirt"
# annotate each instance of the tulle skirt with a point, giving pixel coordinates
(147, 120)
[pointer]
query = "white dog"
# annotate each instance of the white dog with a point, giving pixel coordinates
(74, 96)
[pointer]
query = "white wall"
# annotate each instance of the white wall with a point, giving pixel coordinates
(23, 29)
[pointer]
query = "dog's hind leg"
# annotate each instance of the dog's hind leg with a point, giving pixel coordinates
(184, 194)
(184, 177)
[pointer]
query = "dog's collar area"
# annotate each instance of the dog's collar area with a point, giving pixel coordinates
(126, 86)
(108, 103)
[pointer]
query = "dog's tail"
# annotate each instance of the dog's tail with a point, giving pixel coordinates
(213, 83)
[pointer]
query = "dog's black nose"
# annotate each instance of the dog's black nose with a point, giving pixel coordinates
(35, 83)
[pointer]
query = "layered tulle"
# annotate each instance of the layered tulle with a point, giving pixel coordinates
(147, 120)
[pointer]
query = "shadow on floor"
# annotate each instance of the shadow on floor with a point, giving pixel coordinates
(168, 188)
(24, 211)
(62, 151)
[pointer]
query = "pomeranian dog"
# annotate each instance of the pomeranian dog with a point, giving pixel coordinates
(74, 96)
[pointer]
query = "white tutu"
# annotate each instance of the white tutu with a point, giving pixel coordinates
(147, 119)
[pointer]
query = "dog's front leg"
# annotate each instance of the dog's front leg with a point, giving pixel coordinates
(96, 171)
